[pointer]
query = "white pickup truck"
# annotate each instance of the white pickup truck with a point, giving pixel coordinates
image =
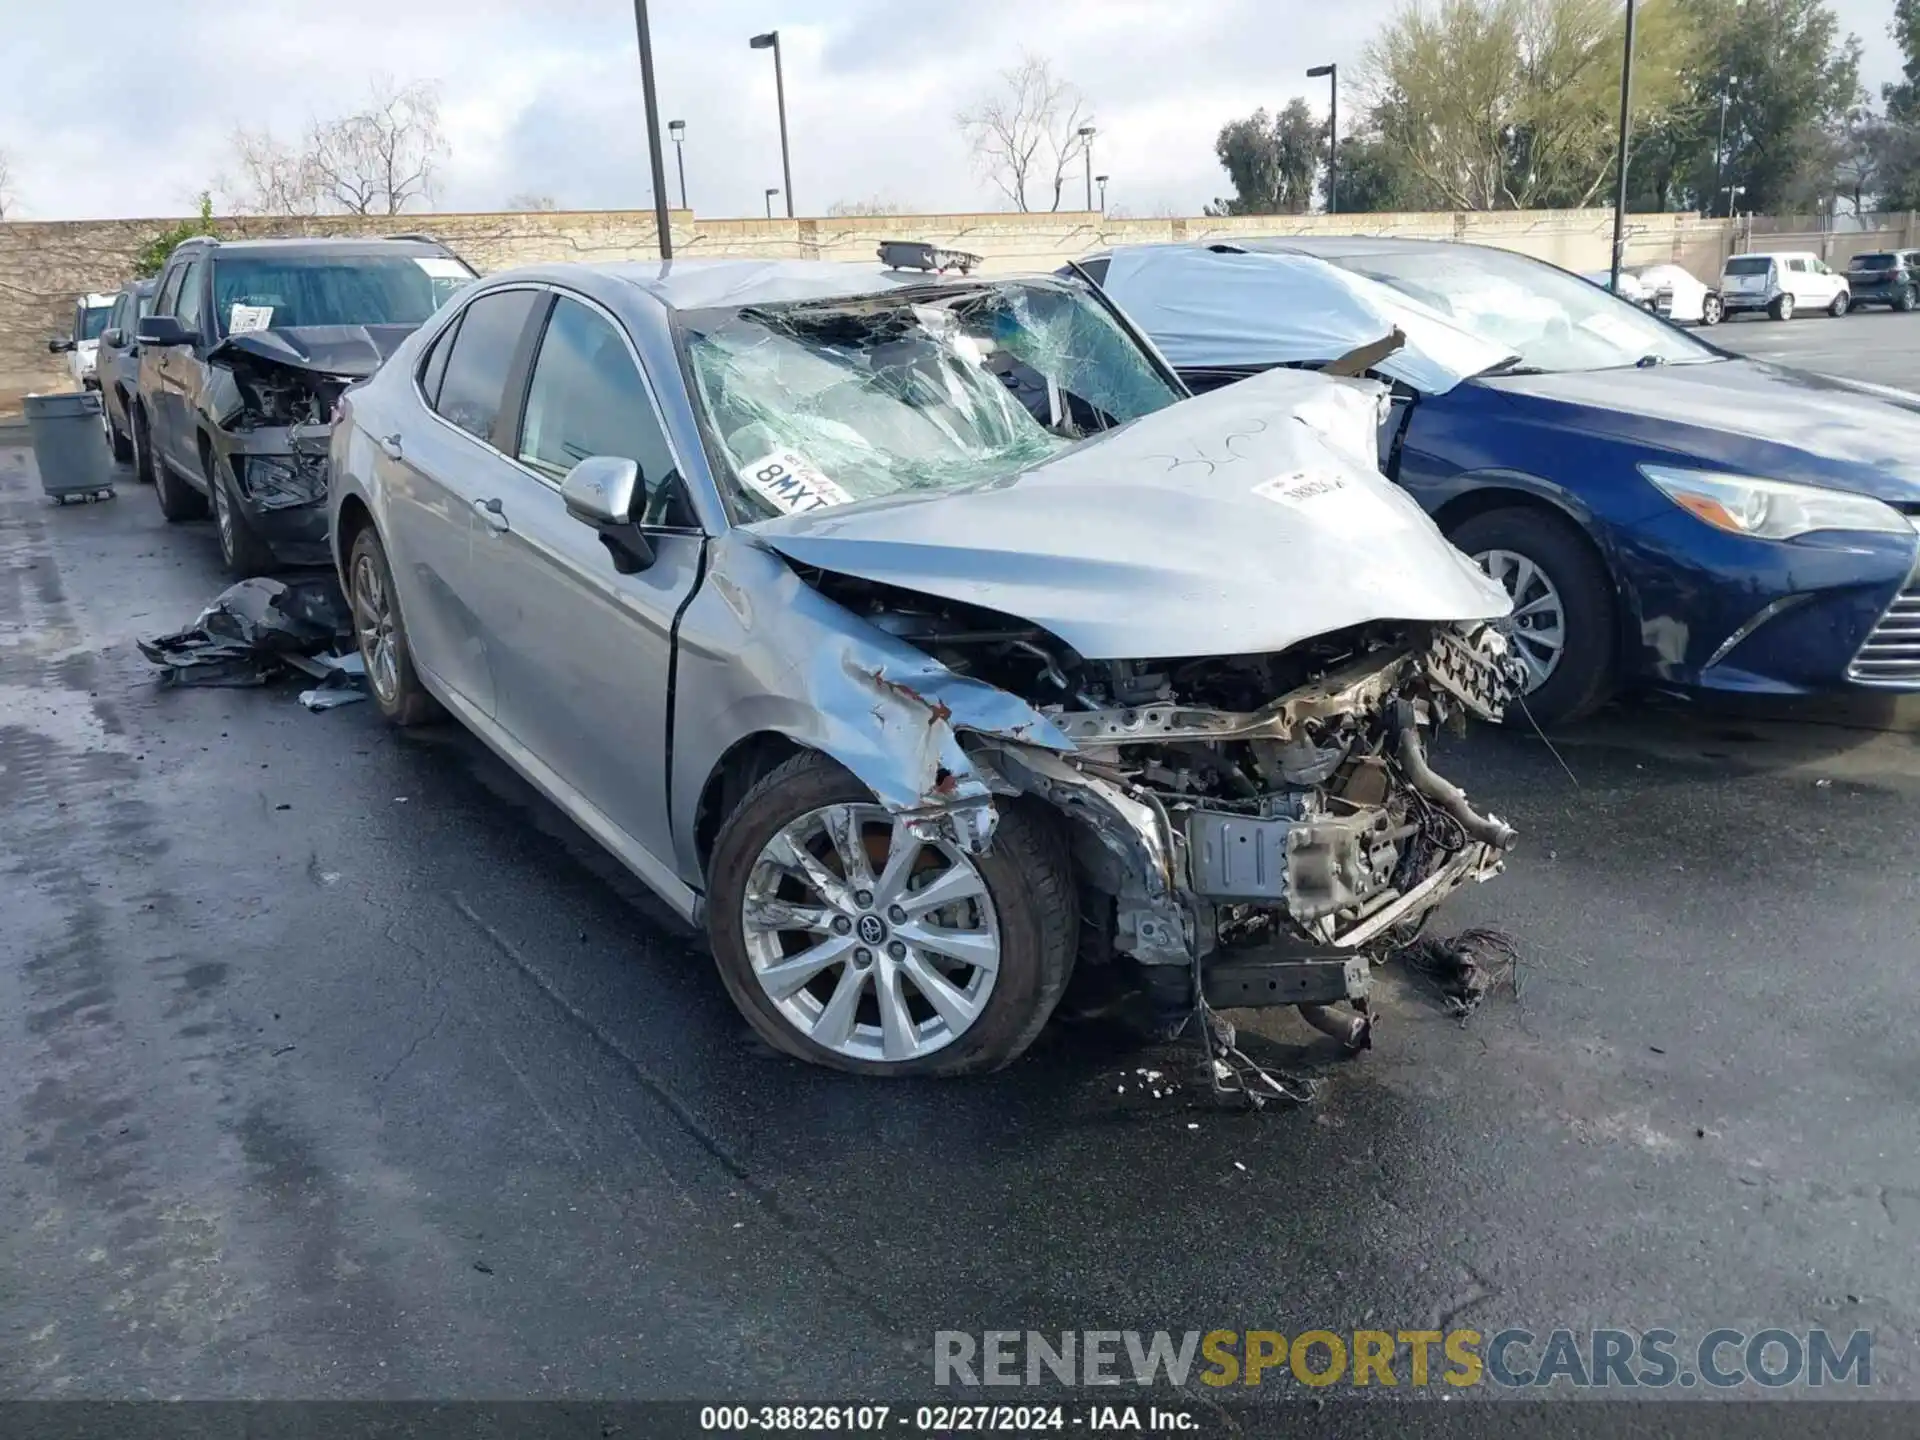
(82, 345)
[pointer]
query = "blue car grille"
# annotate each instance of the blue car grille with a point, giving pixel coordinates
(1891, 655)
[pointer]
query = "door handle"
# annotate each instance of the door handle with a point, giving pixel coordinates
(390, 444)
(491, 512)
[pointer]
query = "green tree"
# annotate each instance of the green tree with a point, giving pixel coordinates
(1374, 178)
(1272, 160)
(153, 255)
(1498, 104)
(1791, 78)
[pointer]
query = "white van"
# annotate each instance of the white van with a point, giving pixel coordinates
(1782, 282)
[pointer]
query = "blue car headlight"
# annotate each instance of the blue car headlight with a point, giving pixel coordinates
(1771, 509)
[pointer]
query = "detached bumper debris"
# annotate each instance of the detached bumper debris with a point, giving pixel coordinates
(262, 629)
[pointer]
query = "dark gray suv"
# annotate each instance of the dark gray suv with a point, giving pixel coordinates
(1885, 277)
(248, 347)
(118, 367)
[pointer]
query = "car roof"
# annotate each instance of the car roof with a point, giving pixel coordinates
(707, 284)
(321, 245)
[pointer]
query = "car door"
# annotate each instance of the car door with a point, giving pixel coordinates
(581, 653)
(187, 369)
(155, 361)
(1807, 288)
(435, 456)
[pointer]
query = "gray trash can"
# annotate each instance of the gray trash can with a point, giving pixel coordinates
(69, 445)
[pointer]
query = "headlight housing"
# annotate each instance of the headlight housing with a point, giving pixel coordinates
(1771, 509)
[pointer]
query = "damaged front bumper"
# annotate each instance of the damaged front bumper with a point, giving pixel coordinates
(280, 475)
(1279, 897)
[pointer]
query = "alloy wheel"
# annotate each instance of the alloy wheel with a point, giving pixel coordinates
(1537, 626)
(375, 630)
(873, 943)
(223, 519)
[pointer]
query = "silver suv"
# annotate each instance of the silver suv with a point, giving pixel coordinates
(917, 636)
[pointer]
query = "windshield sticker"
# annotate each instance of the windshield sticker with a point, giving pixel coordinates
(244, 318)
(441, 268)
(791, 483)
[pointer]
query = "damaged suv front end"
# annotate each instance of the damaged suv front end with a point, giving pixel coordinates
(1208, 639)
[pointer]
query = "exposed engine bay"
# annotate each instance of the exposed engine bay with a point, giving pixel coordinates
(1266, 818)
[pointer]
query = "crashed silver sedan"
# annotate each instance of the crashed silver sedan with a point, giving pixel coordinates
(921, 638)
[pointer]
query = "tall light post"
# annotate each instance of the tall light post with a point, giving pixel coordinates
(678, 130)
(1101, 181)
(771, 41)
(1332, 74)
(1620, 189)
(773, 190)
(653, 131)
(1086, 133)
(1720, 143)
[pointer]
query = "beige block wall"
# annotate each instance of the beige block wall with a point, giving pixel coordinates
(44, 264)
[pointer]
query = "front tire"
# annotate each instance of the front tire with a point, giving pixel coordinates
(846, 942)
(1839, 305)
(381, 635)
(1563, 624)
(1781, 308)
(118, 445)
(178, 500)
(242, 550)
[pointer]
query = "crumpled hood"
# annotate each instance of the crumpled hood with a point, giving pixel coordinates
(1752, 418)
(1239, 522)
(344, 351)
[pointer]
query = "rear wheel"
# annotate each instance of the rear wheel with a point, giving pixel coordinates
(117, 444)
(382, 635)
(1782, 307)
(1839, 304)
(1562, 625)
(846, 941)
(1906, 299)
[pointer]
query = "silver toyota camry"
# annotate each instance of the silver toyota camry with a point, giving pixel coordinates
(922, 639)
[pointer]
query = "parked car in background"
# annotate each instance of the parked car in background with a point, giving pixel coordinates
(1885, 277)
(82, 340)
(1659, 511)
(1782, 283)
(860, 613)
(117, 366)
(1673, 293)
(247, 348)
(1630, 288)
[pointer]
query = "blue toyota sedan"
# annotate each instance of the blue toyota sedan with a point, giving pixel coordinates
(1661, 511)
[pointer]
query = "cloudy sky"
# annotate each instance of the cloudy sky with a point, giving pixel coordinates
(546, 98)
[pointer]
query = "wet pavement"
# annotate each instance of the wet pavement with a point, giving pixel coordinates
(334, 1062)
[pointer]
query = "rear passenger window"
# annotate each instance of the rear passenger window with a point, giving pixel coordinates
(587, 398)
(473, 383)
(436, 367)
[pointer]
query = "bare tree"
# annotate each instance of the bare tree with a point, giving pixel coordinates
(1025, 136)
(530, 200)
(9, 201)
(872, 205)
(382, 158)
(273, 178)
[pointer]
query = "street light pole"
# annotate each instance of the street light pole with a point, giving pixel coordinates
(653, 132)
(678, 130)
(1086, 156)
(1720, 142)
(773, 190)
(771, 41)
(1620, 190)
(1101, 181)
(1332, 72)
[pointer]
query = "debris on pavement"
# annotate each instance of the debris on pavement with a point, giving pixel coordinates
(1466, 966)
(262, 629)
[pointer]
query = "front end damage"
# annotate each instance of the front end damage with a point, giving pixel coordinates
(1246, 830)
(272, 397)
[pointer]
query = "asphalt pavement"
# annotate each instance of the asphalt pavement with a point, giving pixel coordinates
(336, 1063)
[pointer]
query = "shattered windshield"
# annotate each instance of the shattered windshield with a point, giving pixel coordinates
(1554, 321)
(924, 389)
(287, 291)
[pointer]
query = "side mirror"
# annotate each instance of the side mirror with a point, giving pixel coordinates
(164, 331)
(60, 345)
(113, 337)
(599, 491)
